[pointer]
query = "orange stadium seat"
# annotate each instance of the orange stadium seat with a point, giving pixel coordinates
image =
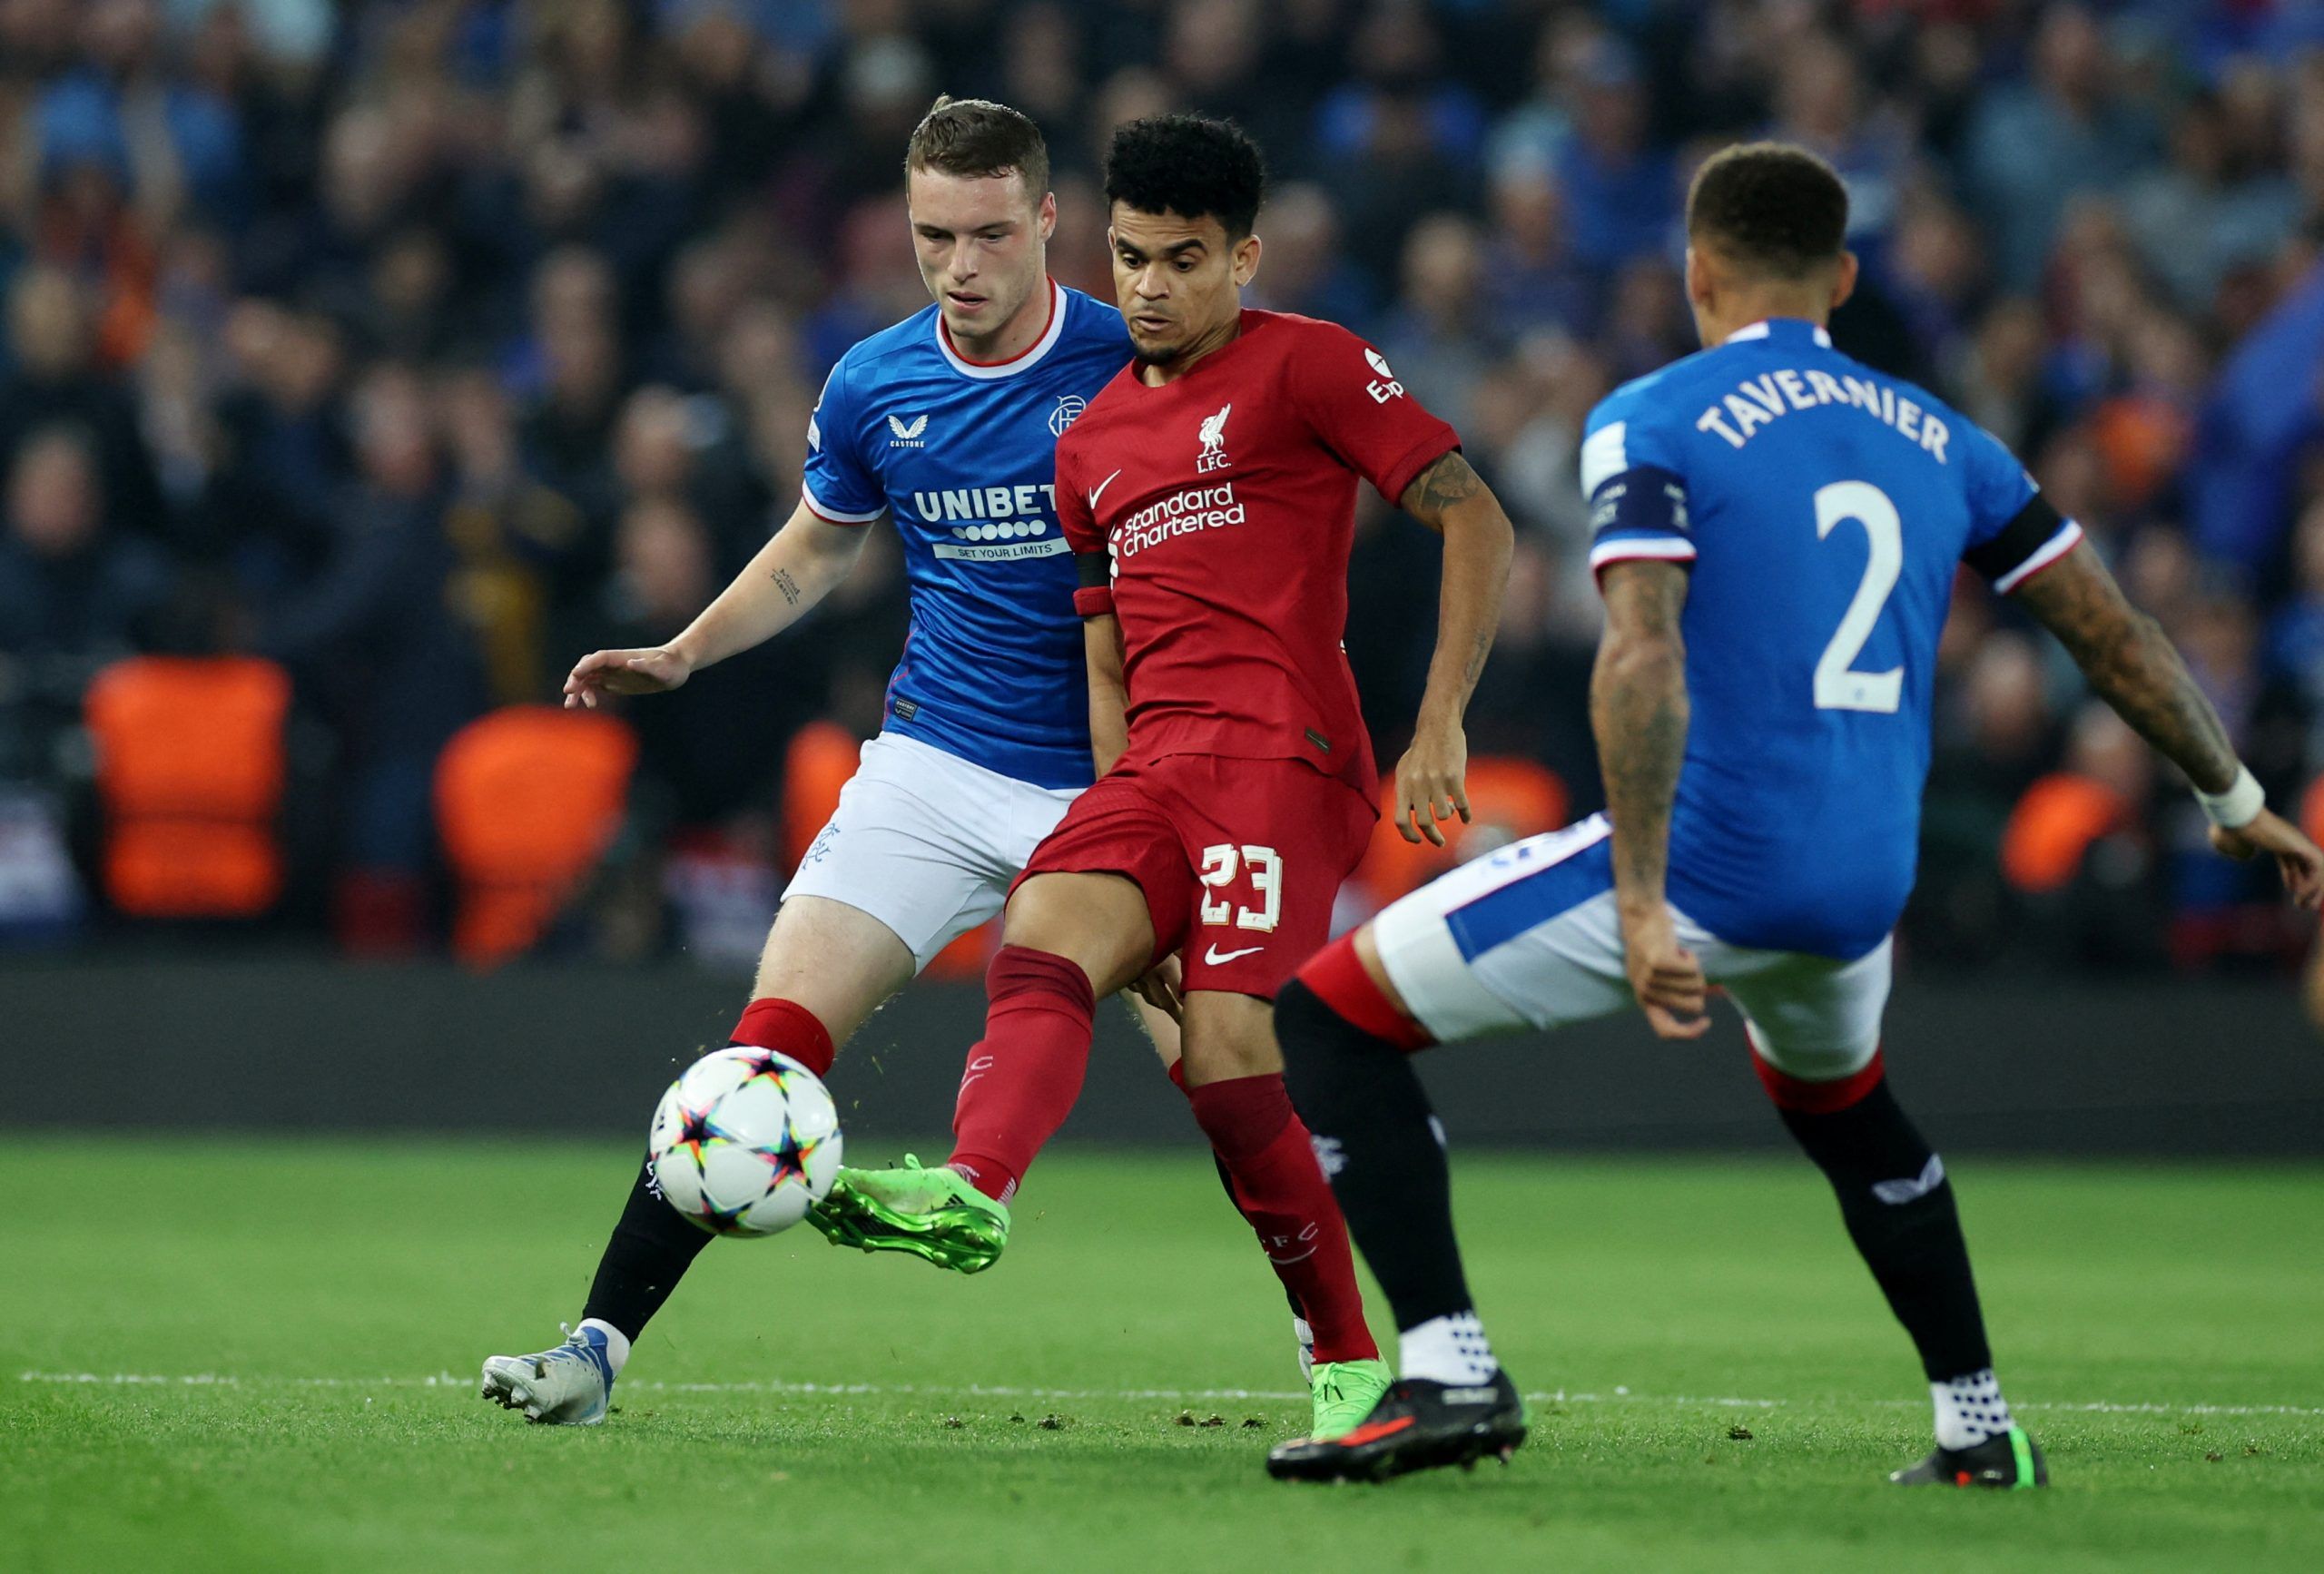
(1508, 798)
(2053, 827)
(821, 757)
(526, 799)
(190, 770)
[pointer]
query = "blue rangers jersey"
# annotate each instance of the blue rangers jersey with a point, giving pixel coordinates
(1823, 508)
(963, 457)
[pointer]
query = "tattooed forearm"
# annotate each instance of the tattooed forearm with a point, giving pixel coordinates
(1450, 498)
(1449, 480)
(2131, 664)
(788, 585)
(1638, 711)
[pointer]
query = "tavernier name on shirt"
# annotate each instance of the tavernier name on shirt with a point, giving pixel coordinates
(1769, 397)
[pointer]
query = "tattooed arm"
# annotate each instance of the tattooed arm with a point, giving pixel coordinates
(2133, 666)
(799, 565)
(1450, 500)
(1638, 711)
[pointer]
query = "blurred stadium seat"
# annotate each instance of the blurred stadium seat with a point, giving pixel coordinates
(190, 770)
(526, 799)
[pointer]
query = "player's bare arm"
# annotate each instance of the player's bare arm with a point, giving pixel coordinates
(1638, 711)
(2135, 669)
(799, 565)
(1101, 639)
(1452, 500)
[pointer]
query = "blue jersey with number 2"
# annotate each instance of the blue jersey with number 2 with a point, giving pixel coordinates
(1822, 508)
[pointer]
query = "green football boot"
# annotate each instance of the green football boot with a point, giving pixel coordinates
(1345, 1393)
(933, 1213)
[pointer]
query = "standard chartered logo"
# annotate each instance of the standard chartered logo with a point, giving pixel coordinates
(1179, 513)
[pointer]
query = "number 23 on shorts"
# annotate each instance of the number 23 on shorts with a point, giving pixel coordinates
(1261, 870)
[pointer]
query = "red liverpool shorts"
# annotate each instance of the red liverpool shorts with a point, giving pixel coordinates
(1240, 860)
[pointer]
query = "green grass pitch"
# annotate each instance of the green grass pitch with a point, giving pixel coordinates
(304, 1322)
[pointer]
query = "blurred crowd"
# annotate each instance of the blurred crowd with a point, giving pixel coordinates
(421, 346)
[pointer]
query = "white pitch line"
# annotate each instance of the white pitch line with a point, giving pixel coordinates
(1621, 1395)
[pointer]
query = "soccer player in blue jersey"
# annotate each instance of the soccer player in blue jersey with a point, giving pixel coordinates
(947, 424)
(1778, 530)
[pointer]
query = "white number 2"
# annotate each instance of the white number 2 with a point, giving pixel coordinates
(1838, 686)
(1220, 865)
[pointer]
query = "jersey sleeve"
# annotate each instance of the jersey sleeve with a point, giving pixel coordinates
(1637, 494)
(1361, 412)
(2014, 532)
(1094, 596)
(836, 482)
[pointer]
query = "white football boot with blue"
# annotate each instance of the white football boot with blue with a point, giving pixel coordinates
(568, 1385)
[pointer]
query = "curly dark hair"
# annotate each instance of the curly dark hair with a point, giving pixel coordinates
(1190, 165)
(1770, 206)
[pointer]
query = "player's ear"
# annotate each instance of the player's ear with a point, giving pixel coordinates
(1247, 260)
(1844, 281)
(1698, 281)
(1045, 223)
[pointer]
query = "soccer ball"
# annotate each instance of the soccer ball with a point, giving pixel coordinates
(744, 1141)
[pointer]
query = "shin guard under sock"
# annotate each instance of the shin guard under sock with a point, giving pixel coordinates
(1269, 1161)
(1024, 1075)
(1898, 1207)
(1377, 1142)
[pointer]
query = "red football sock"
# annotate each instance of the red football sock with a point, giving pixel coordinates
(790, 1029)
(1271, 1163)
(1025, 1073)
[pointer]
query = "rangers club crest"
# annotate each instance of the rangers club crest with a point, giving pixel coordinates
(1214, 442)
(1068, 410)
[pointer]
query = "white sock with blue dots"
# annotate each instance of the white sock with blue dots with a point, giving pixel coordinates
(1969, 1410)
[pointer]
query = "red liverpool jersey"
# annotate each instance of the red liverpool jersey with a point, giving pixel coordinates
(1226, 497)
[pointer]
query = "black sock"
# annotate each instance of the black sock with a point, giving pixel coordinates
(1380, 1149)
(651, 1250)
(1899, 1211)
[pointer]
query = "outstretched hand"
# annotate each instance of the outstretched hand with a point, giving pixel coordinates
(2298, 860)
(624, 671)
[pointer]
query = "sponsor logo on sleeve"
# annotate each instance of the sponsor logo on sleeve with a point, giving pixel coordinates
(1385, 386)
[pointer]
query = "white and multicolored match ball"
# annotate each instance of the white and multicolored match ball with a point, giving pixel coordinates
(744, 1142)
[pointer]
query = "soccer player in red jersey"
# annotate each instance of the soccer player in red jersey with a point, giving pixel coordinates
(1209, 493)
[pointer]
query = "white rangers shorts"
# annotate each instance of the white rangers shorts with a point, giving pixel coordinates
(1528, 938)
(926, 842)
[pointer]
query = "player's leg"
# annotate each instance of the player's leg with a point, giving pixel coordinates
(1523, 938)
(1067, 940)
(1233, 1075)
(888, 882)
(826, 967)
(1815, 1032)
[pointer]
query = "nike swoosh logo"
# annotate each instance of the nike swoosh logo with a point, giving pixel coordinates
(1102, 490)
(1214, 957)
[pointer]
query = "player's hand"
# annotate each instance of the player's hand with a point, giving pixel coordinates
(1431, 783)
(624, 671)
(1164, 987)
(1665, 977)
(2298, 860)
